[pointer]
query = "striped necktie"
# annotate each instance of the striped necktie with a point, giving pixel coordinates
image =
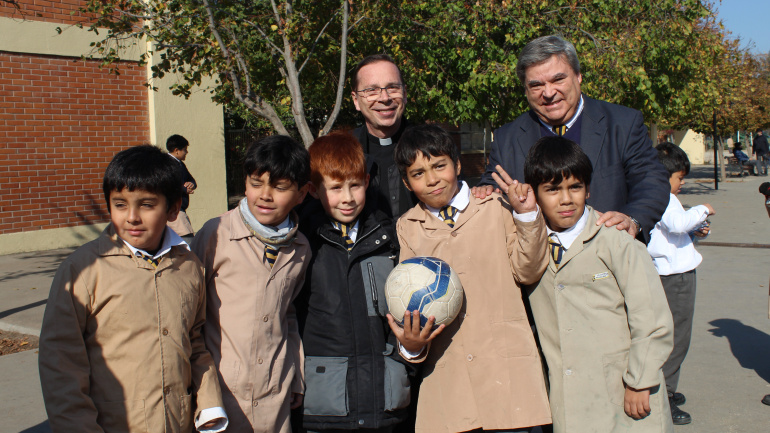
(271, 253)
(447, 213)
(345, 229)
(557, 249)
(559, 130)
(148, 259)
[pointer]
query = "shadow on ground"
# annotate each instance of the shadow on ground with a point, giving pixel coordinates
(749, 345)
(50, 262)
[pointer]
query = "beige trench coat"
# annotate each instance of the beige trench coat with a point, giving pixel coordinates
(251, 329)
(484, 371)
(602, 319)
(121, 346)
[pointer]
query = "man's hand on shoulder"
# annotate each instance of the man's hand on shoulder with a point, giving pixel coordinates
(483, 191)
(619, 220)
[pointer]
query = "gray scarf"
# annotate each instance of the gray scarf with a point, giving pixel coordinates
(266, 234)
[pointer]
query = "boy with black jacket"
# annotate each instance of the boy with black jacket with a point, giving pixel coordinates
(355, 378)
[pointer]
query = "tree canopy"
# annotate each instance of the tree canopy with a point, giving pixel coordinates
(287, 62)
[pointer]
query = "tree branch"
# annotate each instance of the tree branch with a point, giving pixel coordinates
(315, 43)
(343, 67)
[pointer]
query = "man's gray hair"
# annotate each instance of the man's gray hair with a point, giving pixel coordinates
(542, 49)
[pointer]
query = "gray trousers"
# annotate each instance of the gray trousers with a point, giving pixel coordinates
(680, 293)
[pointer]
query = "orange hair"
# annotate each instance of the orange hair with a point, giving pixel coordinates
(338, 156)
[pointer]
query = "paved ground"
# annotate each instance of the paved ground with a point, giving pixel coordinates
(724, 376)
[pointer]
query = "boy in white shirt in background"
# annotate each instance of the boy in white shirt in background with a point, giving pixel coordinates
(675, 258)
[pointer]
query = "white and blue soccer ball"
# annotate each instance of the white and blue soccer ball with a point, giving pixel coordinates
(426, 284)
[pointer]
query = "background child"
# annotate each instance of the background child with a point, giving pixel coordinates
(255, 261)
(600, 310)
(355, 378)
(675, 259)
(484, 370)
(177, 147)
(118, 351)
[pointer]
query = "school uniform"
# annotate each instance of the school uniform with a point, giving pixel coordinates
(251, 328)
(675, 259)
(355, 377)
(602, 321)
(484, 370)
(121, 347)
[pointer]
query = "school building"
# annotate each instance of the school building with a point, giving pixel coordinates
(62, 119)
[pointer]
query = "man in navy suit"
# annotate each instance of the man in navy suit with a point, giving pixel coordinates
(629, 184)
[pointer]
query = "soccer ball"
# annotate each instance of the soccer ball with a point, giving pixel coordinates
(426, 284)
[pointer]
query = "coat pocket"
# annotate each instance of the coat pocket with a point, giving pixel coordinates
(615, 366)
(118, 416)
(326, 392)
(185, 417)
(375, 271)
(513, 338)
(601, 291)
(398, 393)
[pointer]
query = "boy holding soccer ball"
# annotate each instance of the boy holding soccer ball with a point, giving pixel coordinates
(355, 379)
(483, 371)
(602, 317)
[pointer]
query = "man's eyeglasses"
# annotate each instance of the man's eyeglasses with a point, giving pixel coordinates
(372, 93)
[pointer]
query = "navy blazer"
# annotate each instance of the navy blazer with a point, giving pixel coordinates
(627, 176)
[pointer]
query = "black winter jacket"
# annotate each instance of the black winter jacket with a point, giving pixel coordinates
(354, 376)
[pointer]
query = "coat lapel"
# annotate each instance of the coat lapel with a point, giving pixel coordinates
(530, 133)
(593, 130)
(589, 231)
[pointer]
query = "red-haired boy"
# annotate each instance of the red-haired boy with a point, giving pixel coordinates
(355, 378)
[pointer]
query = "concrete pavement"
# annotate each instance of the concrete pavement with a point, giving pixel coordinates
(726, 373)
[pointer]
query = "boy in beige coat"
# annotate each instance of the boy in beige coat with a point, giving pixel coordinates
(121, 348)
(483, 371)
(601, 314)
(255, 260)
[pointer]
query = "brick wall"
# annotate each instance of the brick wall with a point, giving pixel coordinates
(54, 11)
(62, 121)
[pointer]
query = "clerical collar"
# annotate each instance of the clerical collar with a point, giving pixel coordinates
(385, 141)
(567, 237)
(571, 121)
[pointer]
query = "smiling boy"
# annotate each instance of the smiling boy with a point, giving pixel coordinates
(355, 378)
(602, 318)
(118, 350)
(483, 371)
(255, 259)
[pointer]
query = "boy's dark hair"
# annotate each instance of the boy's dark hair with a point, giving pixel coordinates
(673, 158)
(738, 146)
(144, 167)
(368, 60)
(281, 157)
(175, 142)
(430, 140)
(554, 158)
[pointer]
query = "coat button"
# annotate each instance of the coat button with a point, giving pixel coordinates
(254, 403)
(393, 197)
(454, 234)
(470, 358)
(568, 372)
(264, 319)
(165, 331)
(259, 360)
(360, 422)
(166, 390)
(384, 236)
(377, 241)
(560, 287)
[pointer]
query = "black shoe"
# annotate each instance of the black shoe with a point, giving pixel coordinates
(678, 416)
(678, 399)
(766, 400)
